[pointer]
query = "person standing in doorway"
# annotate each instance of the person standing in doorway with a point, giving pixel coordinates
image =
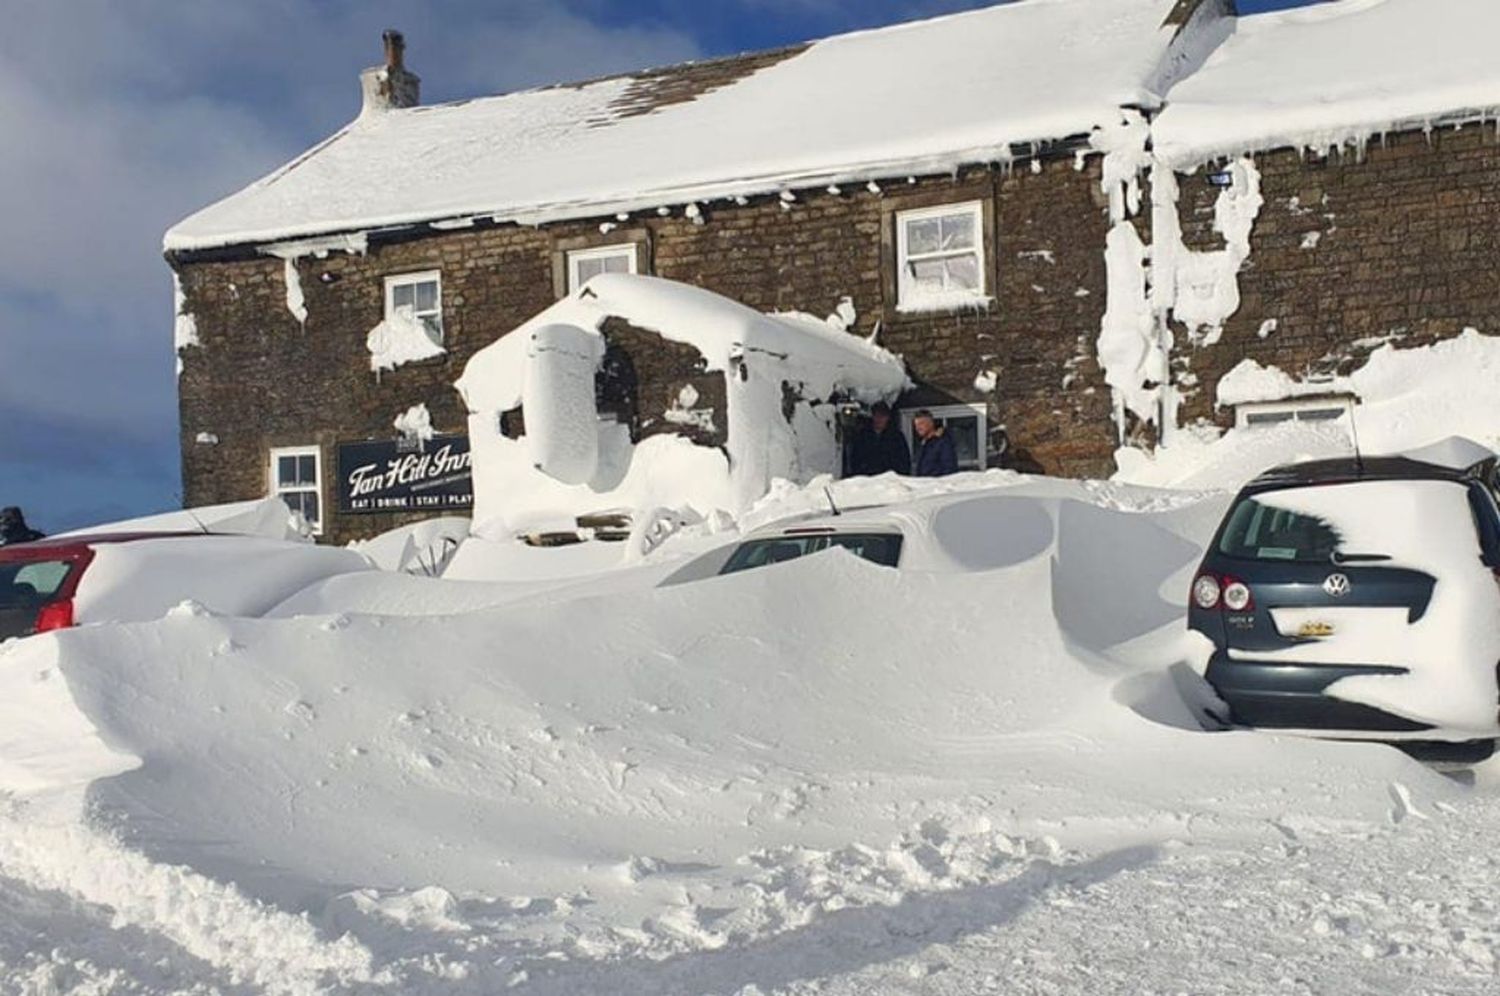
(936, 456)
(880, 448)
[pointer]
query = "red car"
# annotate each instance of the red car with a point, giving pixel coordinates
(56, 583)
(38, 581)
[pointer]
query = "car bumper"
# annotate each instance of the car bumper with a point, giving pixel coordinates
(1294, 697)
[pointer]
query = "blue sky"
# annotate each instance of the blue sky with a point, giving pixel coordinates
(123, 118)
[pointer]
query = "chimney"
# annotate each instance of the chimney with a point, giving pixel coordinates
(390, 86)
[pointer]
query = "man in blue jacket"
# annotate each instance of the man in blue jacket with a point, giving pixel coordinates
(936, 456)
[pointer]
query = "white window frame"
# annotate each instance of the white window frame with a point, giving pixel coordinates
(420, 277)
(908, 298)
(944, 412)
(577, 256)
(277, 490)
(1289, 410)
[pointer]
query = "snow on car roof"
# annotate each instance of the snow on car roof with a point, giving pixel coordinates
(915, 98)
(1332, 75)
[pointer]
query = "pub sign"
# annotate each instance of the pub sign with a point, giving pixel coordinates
(405, 475)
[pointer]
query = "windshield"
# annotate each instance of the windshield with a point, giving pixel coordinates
(1351, 522)
(878, 548)
(24, 588)
(31, 583)
(1258, 531)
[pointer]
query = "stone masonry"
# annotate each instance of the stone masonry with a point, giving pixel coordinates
(260, 379)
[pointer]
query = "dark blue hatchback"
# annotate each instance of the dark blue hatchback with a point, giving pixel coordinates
(1276, 579)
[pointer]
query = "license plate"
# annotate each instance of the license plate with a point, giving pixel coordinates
(1315, 630)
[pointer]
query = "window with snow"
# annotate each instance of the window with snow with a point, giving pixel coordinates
(966, 425)
(1260, 414)
(940, 257)
(419, 296)
(585, 264)
(297, 479)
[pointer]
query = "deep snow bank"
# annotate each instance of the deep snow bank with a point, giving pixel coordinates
(695, 768)
(1408, 398)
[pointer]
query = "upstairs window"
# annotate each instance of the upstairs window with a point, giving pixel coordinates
(940, 257)
(419, 296)
(585, 264)
(297, 479)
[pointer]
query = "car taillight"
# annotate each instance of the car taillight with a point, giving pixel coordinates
(55, 615)
(1237, 597)
(1206, 592)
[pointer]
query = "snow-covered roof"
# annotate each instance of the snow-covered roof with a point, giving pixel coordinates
(916, 98)
(825, 359)
(1335, 74)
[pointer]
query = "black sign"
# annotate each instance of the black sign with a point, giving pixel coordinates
(399, 475)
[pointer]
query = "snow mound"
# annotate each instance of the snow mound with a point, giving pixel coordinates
(399, 339)
(507, 795)
(1408, 399)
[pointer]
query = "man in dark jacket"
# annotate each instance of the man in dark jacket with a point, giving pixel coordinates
(880, 448)
(13, 527)
(936, 456)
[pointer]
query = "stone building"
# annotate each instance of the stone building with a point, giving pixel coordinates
(1011, 199)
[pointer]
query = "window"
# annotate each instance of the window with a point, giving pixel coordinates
(967, 425)
(419, 296)
(297, 479)
(1265, 413)
(883, 549)
(1258, 531)
(585, 264)
(940, 257)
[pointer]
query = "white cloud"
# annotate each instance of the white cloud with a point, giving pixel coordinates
(120, 119)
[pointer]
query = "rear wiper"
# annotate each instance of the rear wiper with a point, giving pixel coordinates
(1359, 558)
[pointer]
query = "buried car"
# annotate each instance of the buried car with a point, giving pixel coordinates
(971, 531)
(1358, 598)
(71, 580)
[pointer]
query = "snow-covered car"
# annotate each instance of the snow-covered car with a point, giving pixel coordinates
(969, 531)
(132, 577)
(1358, 597)
(881, 546)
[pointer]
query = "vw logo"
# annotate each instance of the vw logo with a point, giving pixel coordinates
(1337, 585)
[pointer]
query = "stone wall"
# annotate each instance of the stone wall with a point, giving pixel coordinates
(259, 379)
(1400, 245)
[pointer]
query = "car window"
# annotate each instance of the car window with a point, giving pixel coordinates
(878, 548)
(1257, 531)
(31, 583)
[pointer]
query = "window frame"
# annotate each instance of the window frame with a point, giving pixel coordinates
(1293, 410)
(947, 300)
(273, 475)
(941, 413)
(572, 257)
(414, 278)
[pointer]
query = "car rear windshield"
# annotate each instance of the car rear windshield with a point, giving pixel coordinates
(878, 548)
(1369, 521)
(1258, 531)
(31, 583)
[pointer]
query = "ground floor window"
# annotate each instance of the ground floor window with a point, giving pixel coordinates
(585, 264)
(297, 479)
(1263, 413)
(966, 425)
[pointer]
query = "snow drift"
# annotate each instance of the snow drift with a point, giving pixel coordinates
(505, 797)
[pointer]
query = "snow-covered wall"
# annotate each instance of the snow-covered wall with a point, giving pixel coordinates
(571, 461)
